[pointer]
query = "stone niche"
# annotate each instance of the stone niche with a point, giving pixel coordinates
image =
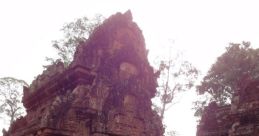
(105, 91)
(240, 118)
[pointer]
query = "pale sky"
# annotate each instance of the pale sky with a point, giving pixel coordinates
(199, 28)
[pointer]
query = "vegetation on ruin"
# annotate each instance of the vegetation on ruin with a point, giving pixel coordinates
(234, 69)
(75, 33)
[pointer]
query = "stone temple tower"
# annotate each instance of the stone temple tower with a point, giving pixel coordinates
(106, 90)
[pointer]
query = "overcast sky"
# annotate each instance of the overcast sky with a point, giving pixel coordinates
(199, 28)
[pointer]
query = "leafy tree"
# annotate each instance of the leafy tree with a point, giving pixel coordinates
(10, 97)
(175, 75)
(236, 67)
(74, 33)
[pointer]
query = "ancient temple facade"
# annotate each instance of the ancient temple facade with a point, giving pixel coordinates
(105, 91)
(240, 118)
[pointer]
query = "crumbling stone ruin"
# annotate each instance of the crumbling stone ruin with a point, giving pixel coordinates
(106, 90)
(240, 118)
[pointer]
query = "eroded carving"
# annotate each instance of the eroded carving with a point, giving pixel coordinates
(107, 89)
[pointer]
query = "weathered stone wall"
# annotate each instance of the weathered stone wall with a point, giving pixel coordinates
(106, 91)
(240, 118)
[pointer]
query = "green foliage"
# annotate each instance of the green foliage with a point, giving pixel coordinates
(175, 75)
(74, 33)
(233, 69)
(11, 95)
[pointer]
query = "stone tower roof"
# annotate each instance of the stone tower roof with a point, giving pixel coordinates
(106, 90)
